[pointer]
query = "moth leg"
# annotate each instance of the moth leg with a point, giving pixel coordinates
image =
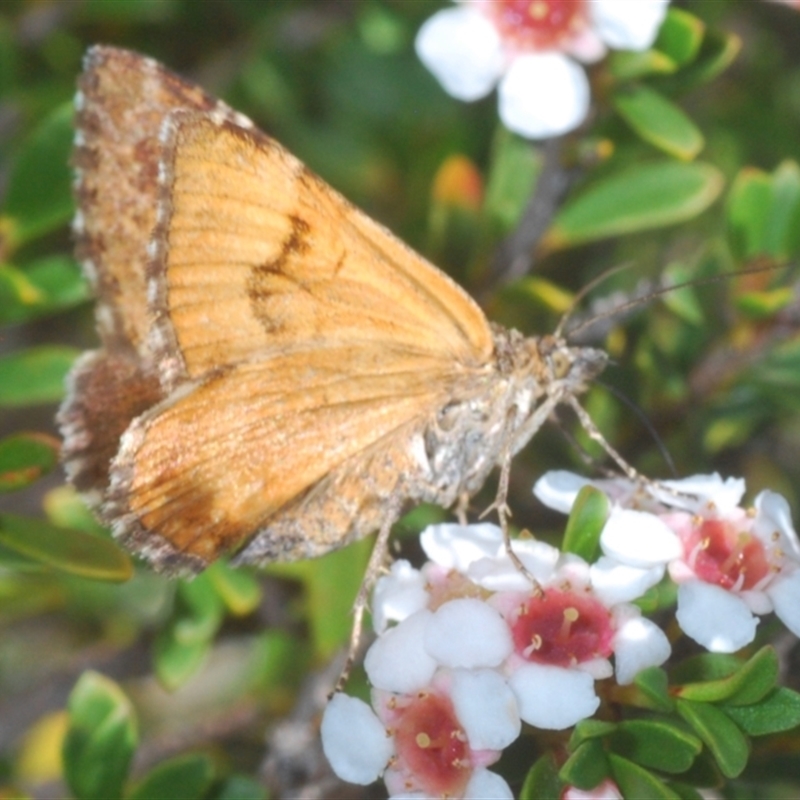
(594, 433)
(375, 567)
(462, 506)
(500, 505)
(630, 472)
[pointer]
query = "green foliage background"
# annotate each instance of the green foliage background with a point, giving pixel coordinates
(689, 169)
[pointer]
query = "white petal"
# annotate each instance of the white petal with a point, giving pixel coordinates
(706, 492)
(543, 95)
(553, 698)
(354, 740)
(614, 583)
(454, 546)
(639, 539)
(468, 633)
(462, 48)
(398, 595)
(628, 24)
(558, 489)
(501, 574)
(775, 516)
(784, 592)
(487, 785)
(486, 707)
(607, 790)
(398, 660)
(638, 644)
(714, 617)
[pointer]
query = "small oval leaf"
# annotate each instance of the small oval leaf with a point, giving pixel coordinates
(585, 524)
(68, 550)
(635, 781)
(657, 743)
(719, 733)
(779, 711)
(100, 740)
(751, 682)
(658, 121)
(39, 196)
(638, 199)
(188, 777)
(35, 375)
(25, 457)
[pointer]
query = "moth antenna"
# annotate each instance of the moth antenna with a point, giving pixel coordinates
(644, 419)
(612, 312)
(584, 290)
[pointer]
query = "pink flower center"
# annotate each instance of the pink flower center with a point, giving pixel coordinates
(721, 554)
(537, 24)
(562, 629)
(432, 746)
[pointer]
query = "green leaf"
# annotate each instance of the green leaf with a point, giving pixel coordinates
(188, 777)
(45, 286)
(764, 212)
(636, 782)
(641, 198)
(680, 36)
(240, 787)
(585, 524)
(657, 743)
(717, 52)
(65, 508)
(782, 229)
(199, 610)
(654, 685)
(35, 375)
(542, 781)
(705, 667)
(749, 684)
(719, 733)
(237, 588)
(331, 583)
(587, 766)
(629, 64)
(24, 458)
(175, 661)
(590, 729)
(749, 202)
(685, 792)
(778, 711)
(100, 740)
(68, 550)
(182, 646)
(658, 121)
(514, 167)
(39, 196)
(683, 301)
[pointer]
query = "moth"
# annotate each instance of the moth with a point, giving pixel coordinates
(278, 375)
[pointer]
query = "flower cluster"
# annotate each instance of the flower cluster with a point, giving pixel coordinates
(528, 49)
(470, 646)
(731, 564)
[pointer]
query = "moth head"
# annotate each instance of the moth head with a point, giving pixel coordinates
(571, 367)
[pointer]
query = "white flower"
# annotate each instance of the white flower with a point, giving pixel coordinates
(732, 564)
(527, 50)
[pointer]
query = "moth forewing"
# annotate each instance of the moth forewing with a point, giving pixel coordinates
(279, 375)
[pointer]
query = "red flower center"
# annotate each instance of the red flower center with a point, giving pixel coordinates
(432, 745)
(562, 629)
(537, 24)
(722, 555)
